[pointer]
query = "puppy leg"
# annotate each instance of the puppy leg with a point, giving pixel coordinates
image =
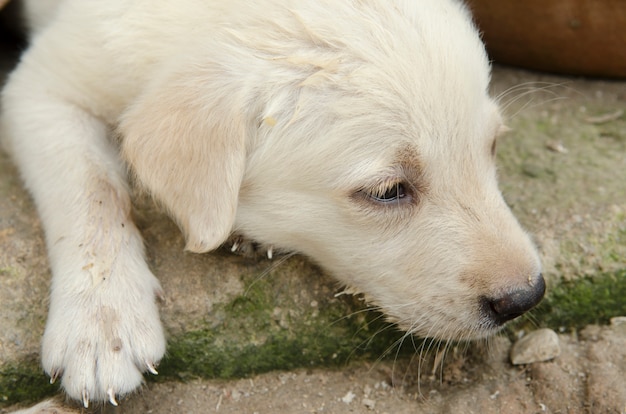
(103, 327)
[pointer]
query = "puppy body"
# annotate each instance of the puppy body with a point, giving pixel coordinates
(359, 133)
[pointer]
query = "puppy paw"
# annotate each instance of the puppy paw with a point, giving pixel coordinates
(249, 248)
(101, 339)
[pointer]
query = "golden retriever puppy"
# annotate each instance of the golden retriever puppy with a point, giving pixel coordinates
(357, 132)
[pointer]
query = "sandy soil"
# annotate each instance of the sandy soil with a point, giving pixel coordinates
(588, 377)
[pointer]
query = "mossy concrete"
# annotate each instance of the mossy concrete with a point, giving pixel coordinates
(585, 301)
(562, 169)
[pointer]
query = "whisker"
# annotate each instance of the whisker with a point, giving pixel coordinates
(535, 90)
(358, 312)
(438, 361)
(396, 344)
(268, 270)
(369, 340)
(425, 349)
(532, 319)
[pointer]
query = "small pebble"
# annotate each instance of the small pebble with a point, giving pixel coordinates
(618, 324)
(537, 346)
(370, 404)
(348, 397)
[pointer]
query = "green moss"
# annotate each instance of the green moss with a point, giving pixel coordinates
(250, 341)
(24, 383)
(8, 271)
(577, 303)
(254, 339)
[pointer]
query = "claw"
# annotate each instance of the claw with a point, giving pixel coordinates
(234, 247)
(270, 252)
(85, 399)
(160, 296)
(151, 368)
(54, 375)
(111, 395)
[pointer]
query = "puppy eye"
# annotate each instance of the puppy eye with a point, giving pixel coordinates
(392, 193)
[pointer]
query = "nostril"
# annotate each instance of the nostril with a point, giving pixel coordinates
(516, 302)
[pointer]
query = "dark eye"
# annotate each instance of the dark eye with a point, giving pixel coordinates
(392, 193)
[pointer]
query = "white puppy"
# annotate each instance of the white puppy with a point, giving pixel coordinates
(357, 132)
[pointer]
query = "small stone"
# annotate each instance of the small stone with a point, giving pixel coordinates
(618, 324)
(348, 397)
(540, 345)
(556, 146)
(370, 404)
(532, 170)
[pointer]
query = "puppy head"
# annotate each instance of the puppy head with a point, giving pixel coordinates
(416, 223)
(380, 165)
(359, 135)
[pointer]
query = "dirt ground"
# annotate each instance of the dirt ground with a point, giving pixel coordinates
(588, 377)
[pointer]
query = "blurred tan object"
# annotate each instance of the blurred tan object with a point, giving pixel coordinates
(3, 3)
(581, 37)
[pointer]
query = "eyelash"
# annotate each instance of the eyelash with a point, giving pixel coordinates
(388, 193)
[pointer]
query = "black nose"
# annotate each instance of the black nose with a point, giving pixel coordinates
(516, 302)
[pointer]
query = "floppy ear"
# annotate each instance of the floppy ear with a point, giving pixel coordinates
(185, 140)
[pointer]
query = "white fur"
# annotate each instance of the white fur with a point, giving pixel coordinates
(276, 120)
(51, 406)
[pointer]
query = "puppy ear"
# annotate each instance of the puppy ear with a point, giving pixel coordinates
(185, 143)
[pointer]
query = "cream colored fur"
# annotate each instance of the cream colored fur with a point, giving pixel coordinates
(278, 120)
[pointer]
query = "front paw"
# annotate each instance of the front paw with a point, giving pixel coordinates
(101, 340)
(248, 248)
